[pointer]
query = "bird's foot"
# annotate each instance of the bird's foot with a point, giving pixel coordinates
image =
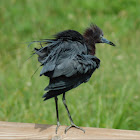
(73, 125)
(58, 124)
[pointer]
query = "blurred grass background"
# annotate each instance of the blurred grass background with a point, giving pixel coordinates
(111, 98)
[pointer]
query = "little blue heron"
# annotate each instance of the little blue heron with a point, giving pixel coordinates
(69, 60)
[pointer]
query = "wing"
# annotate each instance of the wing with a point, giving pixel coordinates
(77, 65)
(56, 56)
(70, 74)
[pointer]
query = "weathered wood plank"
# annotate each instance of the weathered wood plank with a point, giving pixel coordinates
(12, 130)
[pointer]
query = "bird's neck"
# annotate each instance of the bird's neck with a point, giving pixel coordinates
(91, 47)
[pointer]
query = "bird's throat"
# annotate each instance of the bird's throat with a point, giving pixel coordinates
(90, 45)
(92, 52)
(91, 49)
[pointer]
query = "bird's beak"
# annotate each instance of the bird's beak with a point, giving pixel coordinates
(104, 40)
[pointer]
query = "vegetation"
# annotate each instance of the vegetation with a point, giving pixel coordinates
(111, 98)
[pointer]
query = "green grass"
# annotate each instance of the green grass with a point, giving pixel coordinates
(111, 98)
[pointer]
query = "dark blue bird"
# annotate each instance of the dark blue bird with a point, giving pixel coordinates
(69, 60)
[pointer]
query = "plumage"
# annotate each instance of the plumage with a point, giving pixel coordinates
(69, 60)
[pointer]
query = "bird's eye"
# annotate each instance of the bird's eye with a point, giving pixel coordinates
(101, 36)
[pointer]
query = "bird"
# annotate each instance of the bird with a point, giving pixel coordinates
(68, 60)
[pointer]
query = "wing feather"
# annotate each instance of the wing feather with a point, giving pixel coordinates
(59, 56)
(66, 58)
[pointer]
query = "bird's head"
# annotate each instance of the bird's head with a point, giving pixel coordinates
(94, 34)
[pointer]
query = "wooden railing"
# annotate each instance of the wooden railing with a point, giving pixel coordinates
(12, 130)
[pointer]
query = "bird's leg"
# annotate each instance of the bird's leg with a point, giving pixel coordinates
(72, 123)
(57, 115)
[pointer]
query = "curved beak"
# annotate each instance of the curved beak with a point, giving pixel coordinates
(104, 40)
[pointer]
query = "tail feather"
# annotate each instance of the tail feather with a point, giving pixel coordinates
(61, 85)
(54, 93)
(50, 94)
(57, 86)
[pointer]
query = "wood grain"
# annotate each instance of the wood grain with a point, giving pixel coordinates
(22, 131)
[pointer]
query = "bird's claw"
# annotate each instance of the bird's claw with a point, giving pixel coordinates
(73, 125)
(58, 124)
